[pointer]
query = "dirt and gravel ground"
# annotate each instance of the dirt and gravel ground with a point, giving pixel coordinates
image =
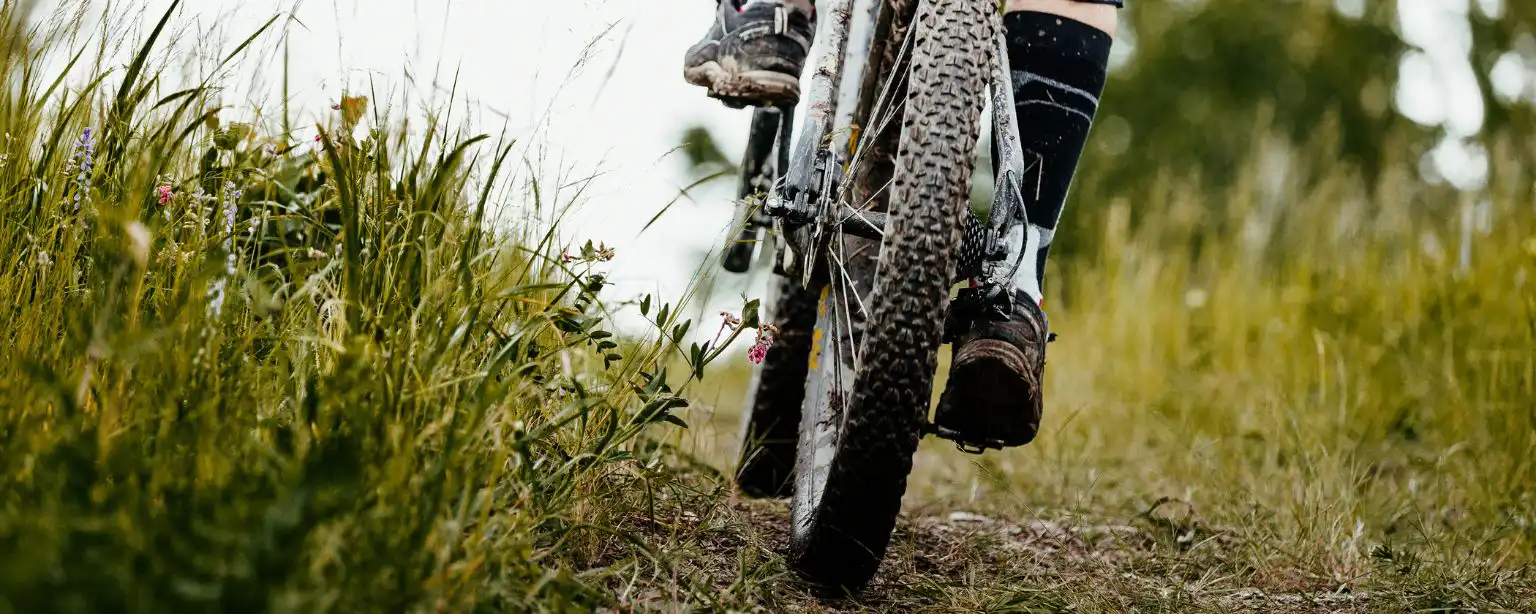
(728, 556)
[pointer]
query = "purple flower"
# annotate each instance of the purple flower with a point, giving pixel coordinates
(82, 160)
(217, 291)
(231, 197)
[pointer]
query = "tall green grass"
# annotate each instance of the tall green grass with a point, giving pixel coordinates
(1307, 386)
(242, 372)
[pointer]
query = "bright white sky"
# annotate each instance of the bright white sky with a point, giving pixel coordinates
(597, 84)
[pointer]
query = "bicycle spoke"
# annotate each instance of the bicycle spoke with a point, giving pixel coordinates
(847, 318)
(841, 268)
(883, 110)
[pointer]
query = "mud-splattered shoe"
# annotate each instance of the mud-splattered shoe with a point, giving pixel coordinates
(994, 393)
(754, 52)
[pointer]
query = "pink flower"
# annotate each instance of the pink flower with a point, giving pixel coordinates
(164, 194)
(757, 353)
(765, 334)
(317, 138)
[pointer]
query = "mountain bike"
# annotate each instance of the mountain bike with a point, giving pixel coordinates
(866, 210)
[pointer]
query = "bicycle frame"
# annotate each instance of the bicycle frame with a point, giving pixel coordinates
(805, 205)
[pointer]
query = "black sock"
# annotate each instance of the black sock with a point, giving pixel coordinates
(1059, 67)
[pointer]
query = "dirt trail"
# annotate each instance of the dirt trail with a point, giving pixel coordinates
(961, 561)
(955, 560)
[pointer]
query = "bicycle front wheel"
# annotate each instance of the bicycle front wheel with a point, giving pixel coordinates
(879, 322)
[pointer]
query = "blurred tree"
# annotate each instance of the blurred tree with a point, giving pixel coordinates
(1493, 37)
(1202, 75)
(1204, 78)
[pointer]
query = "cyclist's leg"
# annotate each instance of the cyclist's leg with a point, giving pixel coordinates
(1058, 50)
(754, 51)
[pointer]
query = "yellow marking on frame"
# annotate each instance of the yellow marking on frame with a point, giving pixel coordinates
(817, 334)
(815, 361)
(853, 146)
(853, 139)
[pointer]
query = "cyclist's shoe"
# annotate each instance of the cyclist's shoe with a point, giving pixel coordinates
(754, 53)
(994, 394)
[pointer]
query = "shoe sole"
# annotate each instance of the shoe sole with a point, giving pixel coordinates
(740, 88)
(989, 384)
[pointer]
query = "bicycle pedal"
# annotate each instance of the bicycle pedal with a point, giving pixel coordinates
(961, 442)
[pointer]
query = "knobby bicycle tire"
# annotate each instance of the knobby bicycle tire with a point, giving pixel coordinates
(843, 524)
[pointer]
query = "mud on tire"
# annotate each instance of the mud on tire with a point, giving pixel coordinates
(841, 533)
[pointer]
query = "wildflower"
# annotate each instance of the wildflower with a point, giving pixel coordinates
(81, 162)
(757, 354)
(317, 138)
(765, 337)
(196, 215)
(216, 293)
(270, 149)
(44, 260)
(164, 194)
(231, 196)
(216, 297)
